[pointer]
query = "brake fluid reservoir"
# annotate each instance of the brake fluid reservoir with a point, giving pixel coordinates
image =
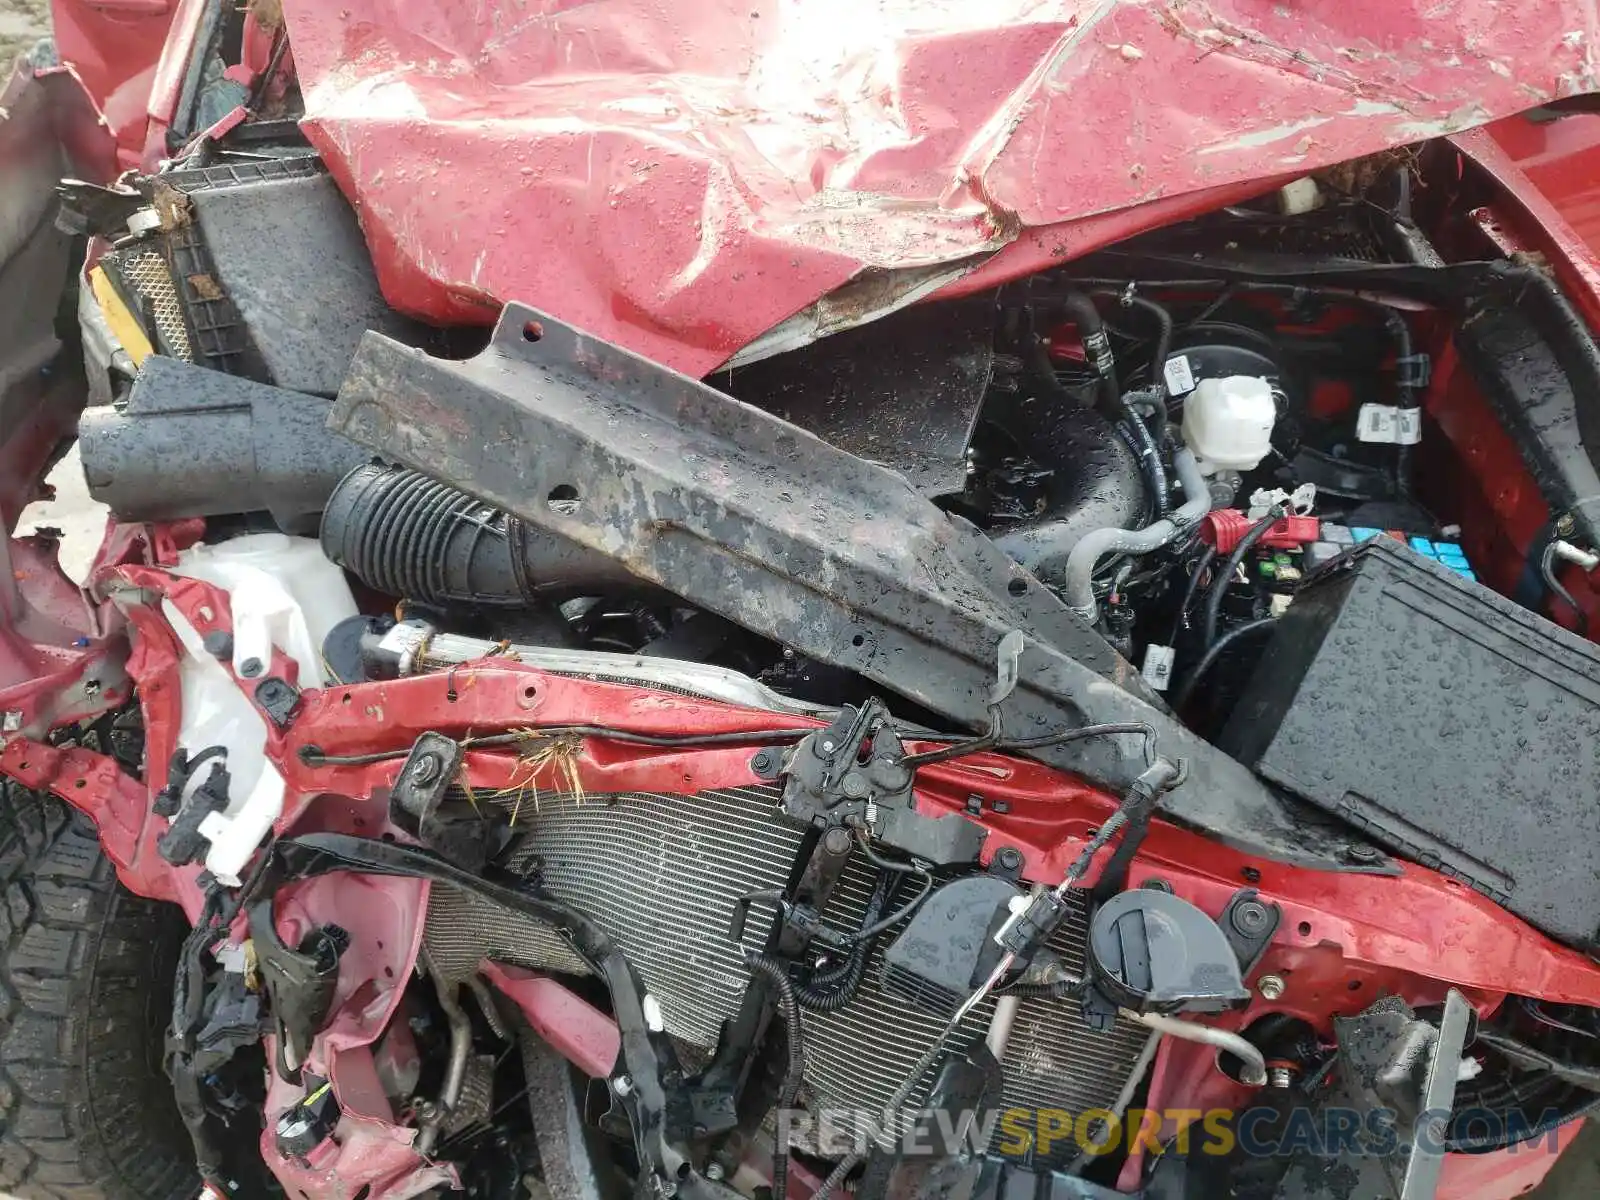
(1228, 422)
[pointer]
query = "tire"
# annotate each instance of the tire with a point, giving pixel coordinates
(86, 969)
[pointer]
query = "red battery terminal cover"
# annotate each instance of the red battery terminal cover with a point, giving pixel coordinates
(1224, 528)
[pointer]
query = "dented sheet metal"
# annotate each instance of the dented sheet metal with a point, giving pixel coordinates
(682, 177)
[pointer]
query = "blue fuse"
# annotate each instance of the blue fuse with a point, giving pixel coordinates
(1364, 533)
(1421, 545)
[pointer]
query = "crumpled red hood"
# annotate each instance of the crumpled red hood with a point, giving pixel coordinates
(684, 177)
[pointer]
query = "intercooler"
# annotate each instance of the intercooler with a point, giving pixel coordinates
(661, 874)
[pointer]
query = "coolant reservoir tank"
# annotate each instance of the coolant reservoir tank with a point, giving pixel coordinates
(1227, 422)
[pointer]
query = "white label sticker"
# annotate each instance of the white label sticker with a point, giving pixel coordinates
(1157, 669)
(1408, 426)
(1386, 423)
(1376, 423)
(1180, 378)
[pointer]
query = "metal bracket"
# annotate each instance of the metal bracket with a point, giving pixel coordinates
(419, 791)
(852, 774)
(752, 518)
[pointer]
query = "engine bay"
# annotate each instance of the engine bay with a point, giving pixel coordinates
(922, 761)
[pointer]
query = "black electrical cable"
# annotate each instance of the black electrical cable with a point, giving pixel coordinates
(1547, 573)
(777, 973)
(1150, 455)
(987, 742)
(1105, 729)
(314, 757)
(884, 864)
(871, 931)
(1219, 585)
(1535, 1010)
(829, 991)
(1207, 557)
(1400, 333)
(1060, 989)
(1222, 645)
(989, 739)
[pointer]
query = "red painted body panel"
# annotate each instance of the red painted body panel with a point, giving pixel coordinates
(1561, 158)
(114, 45)
(681, 178)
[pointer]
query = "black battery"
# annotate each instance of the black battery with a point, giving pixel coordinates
(1448, 723)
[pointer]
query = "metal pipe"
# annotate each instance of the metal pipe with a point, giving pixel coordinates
(1005, 1016)
(1092, 547)
(1124, 1098)
(486, 1005)
(455, 1073)
(1255, 1065)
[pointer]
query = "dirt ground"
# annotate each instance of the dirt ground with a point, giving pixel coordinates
(22, 23)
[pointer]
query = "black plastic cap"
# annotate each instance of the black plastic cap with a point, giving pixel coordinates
(1150, 951)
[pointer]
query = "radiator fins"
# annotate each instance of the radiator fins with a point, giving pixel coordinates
(661, 873)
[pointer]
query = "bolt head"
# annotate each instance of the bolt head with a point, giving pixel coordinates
(1250, 917)
(1365, 854)
(836, 841)
(250, 668)
(714, 1172)
(426, 769)
(853, 785)
(1270, 986)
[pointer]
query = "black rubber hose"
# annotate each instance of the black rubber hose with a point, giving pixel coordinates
(1098, 480)
(1097, 348)
(1223, 644)
(1162, 317)
(777, 973)
(406, 534)
(1091, 326)
(1219, 586)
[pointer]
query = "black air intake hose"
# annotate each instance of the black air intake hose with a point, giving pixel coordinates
(406, 534)
(1097, 483)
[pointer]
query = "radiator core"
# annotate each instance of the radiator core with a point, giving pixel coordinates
(661, 873)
